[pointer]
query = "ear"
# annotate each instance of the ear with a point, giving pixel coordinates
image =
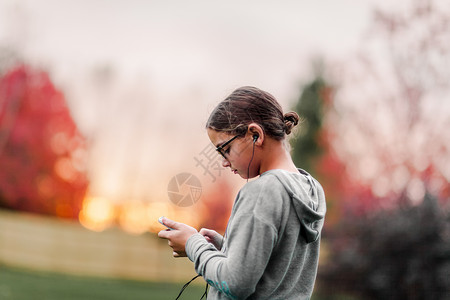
(256, 134)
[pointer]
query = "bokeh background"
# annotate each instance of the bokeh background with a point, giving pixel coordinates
(103, 103)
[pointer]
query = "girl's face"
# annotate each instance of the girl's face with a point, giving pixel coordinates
(236, 154)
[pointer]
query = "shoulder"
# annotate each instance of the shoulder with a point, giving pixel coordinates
(266, 192)
(265, 183)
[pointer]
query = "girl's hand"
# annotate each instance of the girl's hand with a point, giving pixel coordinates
(177, 237)
(212, 237)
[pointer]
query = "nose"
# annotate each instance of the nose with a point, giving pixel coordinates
(225, 162)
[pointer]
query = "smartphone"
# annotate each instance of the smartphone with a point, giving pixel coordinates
(160, 221)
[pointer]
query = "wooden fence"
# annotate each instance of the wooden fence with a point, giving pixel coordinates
(50, 244)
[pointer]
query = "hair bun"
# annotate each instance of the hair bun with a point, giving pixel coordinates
(290, 121)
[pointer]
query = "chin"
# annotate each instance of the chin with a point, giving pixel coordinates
(247, 177)
(243, 176)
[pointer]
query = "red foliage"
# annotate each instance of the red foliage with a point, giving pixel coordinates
(345, 195)
(216, 208)
(41, 151)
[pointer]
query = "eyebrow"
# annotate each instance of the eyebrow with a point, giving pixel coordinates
(220, 145)
(224, 142)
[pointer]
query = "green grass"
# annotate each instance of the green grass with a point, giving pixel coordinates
(19, 284)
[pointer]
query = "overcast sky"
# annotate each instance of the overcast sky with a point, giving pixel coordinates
(169, 63)
(184, 43)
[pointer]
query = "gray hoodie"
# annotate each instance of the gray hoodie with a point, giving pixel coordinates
(271, 247)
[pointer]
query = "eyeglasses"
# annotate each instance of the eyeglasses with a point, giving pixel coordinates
(220, 148)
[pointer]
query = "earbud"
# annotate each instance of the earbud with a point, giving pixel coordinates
(255, 137)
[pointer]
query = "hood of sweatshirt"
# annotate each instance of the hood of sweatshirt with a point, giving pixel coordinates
(308, 199)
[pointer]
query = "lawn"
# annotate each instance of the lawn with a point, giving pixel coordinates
(19, 284)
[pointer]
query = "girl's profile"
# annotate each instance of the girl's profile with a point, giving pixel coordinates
(270, 249)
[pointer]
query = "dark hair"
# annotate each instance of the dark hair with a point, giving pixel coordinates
(247, 105)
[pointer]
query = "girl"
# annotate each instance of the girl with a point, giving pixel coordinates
(271, 245)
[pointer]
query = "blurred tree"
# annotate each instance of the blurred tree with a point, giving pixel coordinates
(309, 144)
(42, 154)
(401, 254)
(393, 108)
(388, 126)
(312, 150)
(307, 147)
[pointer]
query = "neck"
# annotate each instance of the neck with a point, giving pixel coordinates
(276, 157)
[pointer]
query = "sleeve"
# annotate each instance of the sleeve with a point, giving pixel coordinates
(249, 246)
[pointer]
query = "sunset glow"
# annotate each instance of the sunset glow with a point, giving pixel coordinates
(97, 213)
(133, 217)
